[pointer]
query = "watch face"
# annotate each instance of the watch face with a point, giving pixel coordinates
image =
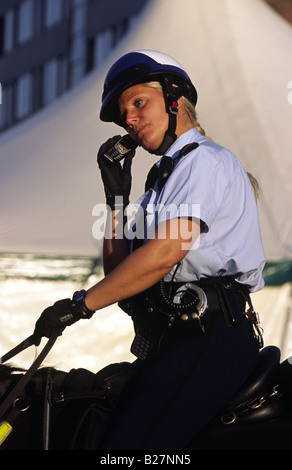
(79, 295)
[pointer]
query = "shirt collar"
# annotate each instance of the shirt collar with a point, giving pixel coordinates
(192, 135)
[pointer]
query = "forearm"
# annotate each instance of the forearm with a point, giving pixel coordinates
(133, 275)
(115, 245)
(139, 271)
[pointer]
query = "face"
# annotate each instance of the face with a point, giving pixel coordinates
(142, 109)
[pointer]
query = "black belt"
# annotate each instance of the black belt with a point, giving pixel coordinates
(217, 291)
(222, 294)
(230, 297)
(154, 314)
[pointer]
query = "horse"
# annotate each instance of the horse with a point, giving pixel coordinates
(56, 408)
(72, 410)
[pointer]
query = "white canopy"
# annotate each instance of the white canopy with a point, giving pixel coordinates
(238, 53)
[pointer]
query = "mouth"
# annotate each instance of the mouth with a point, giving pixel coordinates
(139, 131)
(136, 132)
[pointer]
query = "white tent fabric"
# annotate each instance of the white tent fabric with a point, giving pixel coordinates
(238, 53)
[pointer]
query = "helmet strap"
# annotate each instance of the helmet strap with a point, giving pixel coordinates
(171, 96)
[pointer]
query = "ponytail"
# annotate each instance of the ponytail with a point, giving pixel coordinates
(192, 114)
(255, 185)
(191, 111)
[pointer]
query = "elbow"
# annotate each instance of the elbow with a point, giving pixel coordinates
(167, 257)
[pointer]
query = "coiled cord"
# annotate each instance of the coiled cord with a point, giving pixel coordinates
(179, 308)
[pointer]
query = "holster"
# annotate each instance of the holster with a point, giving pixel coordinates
(231, 303)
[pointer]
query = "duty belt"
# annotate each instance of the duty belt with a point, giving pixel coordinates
(182, 307)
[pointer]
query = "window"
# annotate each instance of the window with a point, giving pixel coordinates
(78, 42)
(54, 80)
(23, 96)
(2, 110)
(6, 107)
(8, 31)
(50, 81)
(53, 12)
(1, 35)
(102, 45)
(25, 21)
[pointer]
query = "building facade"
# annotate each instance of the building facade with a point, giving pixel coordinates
(48, 46)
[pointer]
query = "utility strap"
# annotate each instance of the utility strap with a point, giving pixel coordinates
(154, 172)
(29, 374)
(17, 349)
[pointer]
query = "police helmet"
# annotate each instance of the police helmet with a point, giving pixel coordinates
(143, 66)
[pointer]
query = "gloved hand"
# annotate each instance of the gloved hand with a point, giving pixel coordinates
(63, 313)
(117, 179)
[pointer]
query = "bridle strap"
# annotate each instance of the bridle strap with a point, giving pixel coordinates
(17, 349)
(10, 399)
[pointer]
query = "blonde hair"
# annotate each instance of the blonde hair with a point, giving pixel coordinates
(192, 115)
(191, 111)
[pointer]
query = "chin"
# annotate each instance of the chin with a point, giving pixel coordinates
(150, 149)
(151, 146)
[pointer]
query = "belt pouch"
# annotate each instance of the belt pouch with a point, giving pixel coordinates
(230, 304)
(146, 344)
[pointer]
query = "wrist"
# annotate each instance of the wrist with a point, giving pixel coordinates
(117, 202)
(79, 299)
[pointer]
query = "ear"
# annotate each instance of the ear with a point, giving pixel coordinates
(180, 101)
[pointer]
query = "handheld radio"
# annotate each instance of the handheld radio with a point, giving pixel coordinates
(120, 150)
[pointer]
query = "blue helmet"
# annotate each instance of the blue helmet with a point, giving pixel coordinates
(143, 66)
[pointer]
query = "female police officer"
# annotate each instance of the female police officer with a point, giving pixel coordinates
(186, 283)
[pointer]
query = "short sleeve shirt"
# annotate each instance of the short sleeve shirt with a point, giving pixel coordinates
(210, 184)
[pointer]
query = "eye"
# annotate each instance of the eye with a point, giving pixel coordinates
(137, 103)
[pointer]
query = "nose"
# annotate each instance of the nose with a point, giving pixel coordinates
(130, 117)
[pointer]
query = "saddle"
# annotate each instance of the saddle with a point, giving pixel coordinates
(261, 397)
(259, 415)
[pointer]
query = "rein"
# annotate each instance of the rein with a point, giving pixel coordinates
(6, 426)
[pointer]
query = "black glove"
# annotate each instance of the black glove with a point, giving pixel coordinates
(116, 178)
(63, 313)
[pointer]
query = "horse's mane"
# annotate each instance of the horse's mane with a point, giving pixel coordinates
(9, 369)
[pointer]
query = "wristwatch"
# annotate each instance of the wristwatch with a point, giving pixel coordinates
(79, 298)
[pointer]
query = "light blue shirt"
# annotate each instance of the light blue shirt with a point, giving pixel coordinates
(210, 184)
